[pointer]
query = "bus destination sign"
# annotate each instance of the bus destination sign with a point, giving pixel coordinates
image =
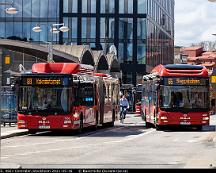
(44, 81)
(184, 81)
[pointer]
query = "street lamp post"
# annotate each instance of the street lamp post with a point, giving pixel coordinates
(53, 30)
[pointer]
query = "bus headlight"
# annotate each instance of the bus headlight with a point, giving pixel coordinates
(21, 122)
(163, 118)
(205, 118)
(76, 115)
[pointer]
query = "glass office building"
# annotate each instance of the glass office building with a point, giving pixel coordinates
(141, 30)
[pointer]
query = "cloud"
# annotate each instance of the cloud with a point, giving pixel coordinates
(194, 21)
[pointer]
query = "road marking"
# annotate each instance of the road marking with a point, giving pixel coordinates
(192, 141)
(63, 140)
(132, 137)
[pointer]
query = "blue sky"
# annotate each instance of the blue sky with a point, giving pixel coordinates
(195, 21)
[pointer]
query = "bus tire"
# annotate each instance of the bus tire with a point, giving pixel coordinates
(32, 131)
(148, 124)
(81, 124)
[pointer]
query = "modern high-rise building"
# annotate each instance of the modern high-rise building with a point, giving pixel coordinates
(141, 30)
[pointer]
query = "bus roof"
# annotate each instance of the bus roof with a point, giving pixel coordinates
(181, 70)
(64, 68)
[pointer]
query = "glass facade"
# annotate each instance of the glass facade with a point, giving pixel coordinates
(31, 13)
(141, 30)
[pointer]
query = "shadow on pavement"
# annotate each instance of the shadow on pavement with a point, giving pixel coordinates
(116, 131)
(210, 128)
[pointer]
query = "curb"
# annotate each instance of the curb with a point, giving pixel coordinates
(14, 134)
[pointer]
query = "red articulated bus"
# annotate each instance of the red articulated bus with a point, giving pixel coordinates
(176, 94)
(66, 96)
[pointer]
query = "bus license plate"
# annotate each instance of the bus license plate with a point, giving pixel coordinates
(185, 123)
(44, 127)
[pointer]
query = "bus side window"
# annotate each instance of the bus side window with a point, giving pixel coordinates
(76, 97)
(95, 94)
(87, 95)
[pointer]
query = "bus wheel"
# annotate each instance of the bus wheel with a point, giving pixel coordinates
(148, 125)
(81, 124)
(32, 131)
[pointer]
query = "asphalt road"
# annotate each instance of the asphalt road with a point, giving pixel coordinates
(128, 145)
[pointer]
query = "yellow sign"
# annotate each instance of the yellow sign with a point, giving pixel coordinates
(29, 81)
(188, 81)
(170, 81)
(213, 79)
(7, 59)
(47, 82)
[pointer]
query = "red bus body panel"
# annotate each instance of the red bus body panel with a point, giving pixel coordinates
(175, 118)
(69, 121)
(51, 122)
(178, 118)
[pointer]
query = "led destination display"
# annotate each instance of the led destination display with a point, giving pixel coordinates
(44, 81)
(185, 81)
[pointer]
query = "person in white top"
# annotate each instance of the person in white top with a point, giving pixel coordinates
(124, 105)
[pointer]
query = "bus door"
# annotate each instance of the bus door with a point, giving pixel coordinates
(88, 101)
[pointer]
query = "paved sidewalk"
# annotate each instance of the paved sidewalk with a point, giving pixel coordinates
(11, 131)
(131, 120)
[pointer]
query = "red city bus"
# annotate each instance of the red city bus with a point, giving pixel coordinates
(176, 95)
(65, 96)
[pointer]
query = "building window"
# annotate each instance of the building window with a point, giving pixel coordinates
(9, 29)
(141, 28)
(126, 28)
(70, 6)
(2, 30)
(126, 6)
(107, 26)
(28, 8)
(141, 52)
(88, 29)
(93, 6)
(53, 9)
(35, 8)
(85, 6)
(89, 6)
(44, 8)
(142, 6)
(130, 6)
(107, 6)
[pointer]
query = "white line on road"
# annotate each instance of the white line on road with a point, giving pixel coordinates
(131, 137)
(79, 147)
(63, 140)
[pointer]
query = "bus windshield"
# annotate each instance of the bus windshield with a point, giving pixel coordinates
(184, 97)
(41, 100)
